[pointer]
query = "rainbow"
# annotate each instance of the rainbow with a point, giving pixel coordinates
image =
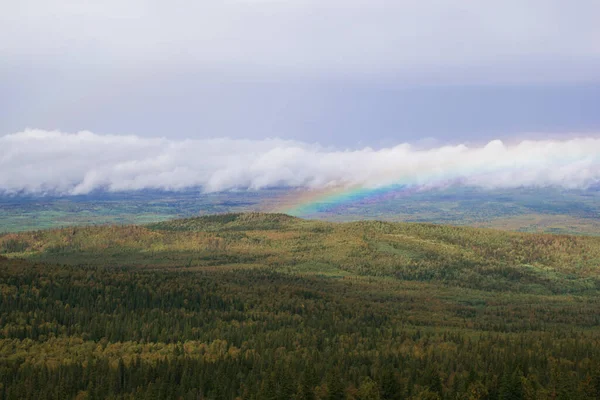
(312, 202)
(569, 164)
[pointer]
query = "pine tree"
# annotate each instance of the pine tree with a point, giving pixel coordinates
(390, 387)
(306, 388)
(511, 386)
(269, 388)
(335, 387)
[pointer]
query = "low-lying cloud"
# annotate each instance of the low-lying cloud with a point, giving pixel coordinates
(40, 162)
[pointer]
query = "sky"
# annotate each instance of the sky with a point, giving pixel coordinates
(234, 94)
(344, 73)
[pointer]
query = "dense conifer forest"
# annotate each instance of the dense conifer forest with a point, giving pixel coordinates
(267, 306)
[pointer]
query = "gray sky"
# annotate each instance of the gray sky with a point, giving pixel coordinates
(344, 73)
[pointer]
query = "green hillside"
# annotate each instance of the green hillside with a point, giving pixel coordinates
(268, 306)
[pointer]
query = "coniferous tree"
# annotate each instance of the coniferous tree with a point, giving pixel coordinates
(306, 389)
(511, 386)
(390, 387)
(335, 386)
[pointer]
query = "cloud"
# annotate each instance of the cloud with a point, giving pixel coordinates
(38, 161)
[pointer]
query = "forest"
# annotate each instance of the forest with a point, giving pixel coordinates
(269, 306)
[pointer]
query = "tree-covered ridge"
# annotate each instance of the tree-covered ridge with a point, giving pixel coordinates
(294, 309)
(469, 257)
(229, 221)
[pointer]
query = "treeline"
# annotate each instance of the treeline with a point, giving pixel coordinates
(182, 377)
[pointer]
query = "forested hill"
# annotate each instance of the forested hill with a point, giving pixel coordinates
(268, 306)
(458, 256)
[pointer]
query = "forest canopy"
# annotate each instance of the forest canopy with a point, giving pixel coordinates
(268, 306)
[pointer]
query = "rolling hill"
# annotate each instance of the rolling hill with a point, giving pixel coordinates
(271, 306)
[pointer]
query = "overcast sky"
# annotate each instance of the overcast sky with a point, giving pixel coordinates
(346, 73)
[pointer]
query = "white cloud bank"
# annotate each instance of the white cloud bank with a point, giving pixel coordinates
(37, 161)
